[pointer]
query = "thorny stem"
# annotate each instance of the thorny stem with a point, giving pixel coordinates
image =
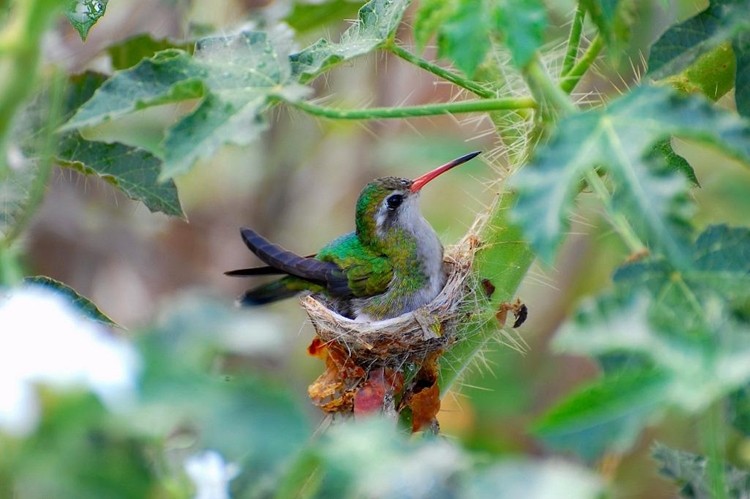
(618, 221)
(552, 101)
(572, 77)
(443, 73)
(375, 113)
(574, 39)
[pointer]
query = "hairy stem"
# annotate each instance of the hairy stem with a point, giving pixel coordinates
(378, 113)
(500, 264)
(574, 39)
(439, 71)
(553, 103)
(571, 78)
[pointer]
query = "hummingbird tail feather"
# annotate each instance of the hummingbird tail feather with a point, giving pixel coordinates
(271, 292)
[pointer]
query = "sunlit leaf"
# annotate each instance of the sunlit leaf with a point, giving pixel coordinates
(306, 16)
(130, 52)
(377, 21)
(683, 44)
(83, 14)
(619, 140)
(81, 302)
(691, 473)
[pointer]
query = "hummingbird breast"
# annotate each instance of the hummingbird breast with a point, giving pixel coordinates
(418, 272)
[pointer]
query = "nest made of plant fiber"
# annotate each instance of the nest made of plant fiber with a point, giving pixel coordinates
(410, 337)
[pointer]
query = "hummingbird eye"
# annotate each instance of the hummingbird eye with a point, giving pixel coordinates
(394, 201)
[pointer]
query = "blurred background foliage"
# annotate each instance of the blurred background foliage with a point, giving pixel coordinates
(232, 372)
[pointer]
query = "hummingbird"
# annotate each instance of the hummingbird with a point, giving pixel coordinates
(390, 265)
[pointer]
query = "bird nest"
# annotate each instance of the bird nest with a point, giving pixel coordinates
(410, 337)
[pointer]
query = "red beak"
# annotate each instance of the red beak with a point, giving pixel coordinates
(422, 180)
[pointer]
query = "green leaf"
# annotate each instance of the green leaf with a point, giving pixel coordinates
(683, 44)
(741, 48)
(674, 161)
(133, 171)
(606, 415)
(691, 474)
(130, 52)
(86, 306)
(685, 323)
(613, 19)
(83, 14)
(308, 16)
(377, 21)
(464, 37)
(429, 17)
(523, 23)
(239, 77)
(619, 139)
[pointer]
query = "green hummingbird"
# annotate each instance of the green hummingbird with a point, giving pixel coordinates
(391, 264)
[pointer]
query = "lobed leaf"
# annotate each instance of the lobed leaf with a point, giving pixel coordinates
(377, 21)
(238, 76)
(83, 14)
(691, 474)
(619, 139)
(683, 44)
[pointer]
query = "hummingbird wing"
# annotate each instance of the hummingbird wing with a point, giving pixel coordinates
(367, 272)
(326, 273)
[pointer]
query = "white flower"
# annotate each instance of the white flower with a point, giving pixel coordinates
(45, 340)
(210, 474)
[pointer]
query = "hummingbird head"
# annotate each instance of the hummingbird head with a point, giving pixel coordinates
(390, 203)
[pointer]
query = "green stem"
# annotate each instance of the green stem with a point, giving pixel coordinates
(443, 73)
(378, 113)
(618, 221)
(550, 97)
(500, 264)
(20, 42)
(714, 443)
(574, 39)
(571, 78)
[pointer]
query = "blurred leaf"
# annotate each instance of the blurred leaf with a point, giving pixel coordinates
(428, 18)
(739, 410)
(239, 77)
(377, 21)
(619, 139)
(133, 171)
(81, 302)
(682, 322)
(550, 479)
(523, 23)
(308, 16)
(607, 415)
(613, 19)
(464, 36)
(83, 14)
(690, 472)
(130, 52)
(683, 44)
(741, 48)
(674, 161)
